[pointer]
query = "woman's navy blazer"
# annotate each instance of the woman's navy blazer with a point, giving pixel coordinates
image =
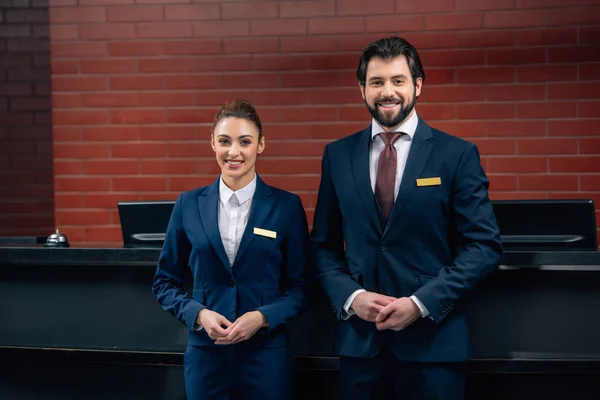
(268, 273)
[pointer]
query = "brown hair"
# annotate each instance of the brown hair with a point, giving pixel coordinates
(239, 109)
(387, 49)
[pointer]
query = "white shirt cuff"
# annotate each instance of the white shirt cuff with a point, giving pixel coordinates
(422, 309)
(348, 312)
(197, 325)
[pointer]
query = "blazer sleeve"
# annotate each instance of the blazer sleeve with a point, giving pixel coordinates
(327, 243)
(294, 270)
(479, 238)
(170, 272)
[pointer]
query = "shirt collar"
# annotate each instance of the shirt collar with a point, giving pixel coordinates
(243, 195)
(409, 127)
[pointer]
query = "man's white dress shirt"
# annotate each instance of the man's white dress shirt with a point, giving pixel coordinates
(402, 145)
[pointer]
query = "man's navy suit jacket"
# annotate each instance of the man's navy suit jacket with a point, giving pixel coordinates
(268, 274)
(438, 243)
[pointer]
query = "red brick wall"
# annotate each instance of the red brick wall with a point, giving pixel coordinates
(26, 194)
(136, 86)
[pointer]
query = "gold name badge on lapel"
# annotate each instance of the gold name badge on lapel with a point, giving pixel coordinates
(265, 232)
(429, 181)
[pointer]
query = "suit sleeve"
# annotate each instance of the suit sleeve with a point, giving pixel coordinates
(327, 244)
(294, 270)
(479, 237)
(170, 272)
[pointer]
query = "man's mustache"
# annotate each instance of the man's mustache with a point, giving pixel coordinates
(387, 100)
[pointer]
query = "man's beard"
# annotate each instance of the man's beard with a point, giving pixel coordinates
(388, 120)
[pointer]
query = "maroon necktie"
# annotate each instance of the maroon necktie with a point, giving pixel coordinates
(386, 172)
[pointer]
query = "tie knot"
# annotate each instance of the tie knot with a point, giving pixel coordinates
(390, 137)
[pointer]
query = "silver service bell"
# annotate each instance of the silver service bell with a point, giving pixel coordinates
(57, 240)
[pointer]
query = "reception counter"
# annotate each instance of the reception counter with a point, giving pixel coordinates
(83, 323)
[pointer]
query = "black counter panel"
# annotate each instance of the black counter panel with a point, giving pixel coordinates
(68, 314)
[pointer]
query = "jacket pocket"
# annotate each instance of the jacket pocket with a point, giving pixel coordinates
(270, 295)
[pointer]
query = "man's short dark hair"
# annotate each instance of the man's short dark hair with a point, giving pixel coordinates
(388, 49)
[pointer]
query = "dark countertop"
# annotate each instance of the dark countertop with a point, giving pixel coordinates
(148, 256)
(331, 364)
(110, 256)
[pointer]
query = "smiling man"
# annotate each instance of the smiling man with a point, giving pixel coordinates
(403, 229)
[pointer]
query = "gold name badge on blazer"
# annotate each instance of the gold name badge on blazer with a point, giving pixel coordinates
(429, 181)
(265, 232)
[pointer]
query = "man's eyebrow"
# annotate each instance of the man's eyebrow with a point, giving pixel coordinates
(401, 76)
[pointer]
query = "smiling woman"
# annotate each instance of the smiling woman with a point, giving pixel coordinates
(237, 140)
(245, 243)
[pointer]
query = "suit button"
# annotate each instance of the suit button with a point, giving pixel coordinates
(383, 248)
(231, 283)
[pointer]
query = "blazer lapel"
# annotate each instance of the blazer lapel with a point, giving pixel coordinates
(208, 203)
(417, 157)
(360, 169)
(262, 202)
